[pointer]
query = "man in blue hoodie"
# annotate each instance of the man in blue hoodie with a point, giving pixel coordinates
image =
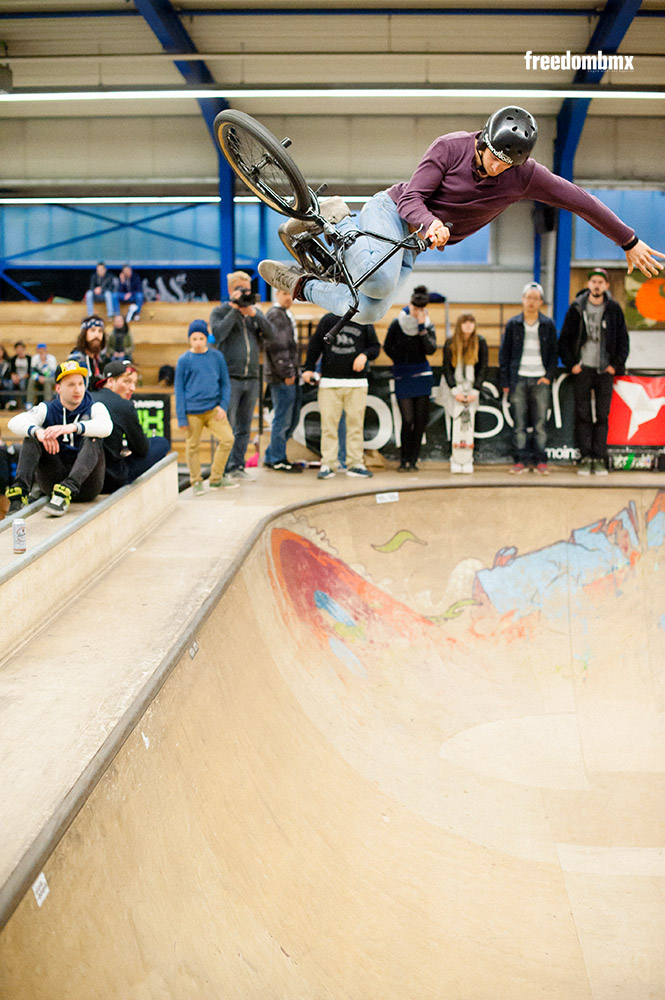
(61, 448)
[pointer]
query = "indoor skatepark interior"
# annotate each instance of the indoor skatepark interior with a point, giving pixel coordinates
(412, 747)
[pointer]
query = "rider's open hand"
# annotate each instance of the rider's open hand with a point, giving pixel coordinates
(437, 234)
(644, 258)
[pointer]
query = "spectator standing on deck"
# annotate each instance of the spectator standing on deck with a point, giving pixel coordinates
(410, 339)
(238, 328)
(202, 393)
(593, 346)
(528, 364)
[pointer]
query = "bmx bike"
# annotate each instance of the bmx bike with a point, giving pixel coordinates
(262, 163)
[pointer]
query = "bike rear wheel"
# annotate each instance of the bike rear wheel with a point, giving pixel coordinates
(262, 163)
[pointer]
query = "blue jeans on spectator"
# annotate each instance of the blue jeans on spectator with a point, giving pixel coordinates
(244, 394)
(529, 402)
(341, 446)
(377, 294)
(158, 448)
(135, 303)
(286, 401)
(110, 298)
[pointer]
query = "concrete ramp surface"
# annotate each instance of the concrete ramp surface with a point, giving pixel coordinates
(418, 753)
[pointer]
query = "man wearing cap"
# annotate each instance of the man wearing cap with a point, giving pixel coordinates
(42, 376)
(127, 450)
(528, 363)
(593, 347)
(61, 448)
(89, 348)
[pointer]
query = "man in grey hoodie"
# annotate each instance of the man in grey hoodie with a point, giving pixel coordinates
(238, 328)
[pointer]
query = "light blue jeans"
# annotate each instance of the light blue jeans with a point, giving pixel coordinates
(377, 294)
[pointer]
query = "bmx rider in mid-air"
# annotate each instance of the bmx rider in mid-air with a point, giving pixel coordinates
(464, 178)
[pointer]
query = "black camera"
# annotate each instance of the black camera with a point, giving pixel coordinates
(246, 297)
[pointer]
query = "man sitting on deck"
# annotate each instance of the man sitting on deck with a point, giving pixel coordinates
(61, 449)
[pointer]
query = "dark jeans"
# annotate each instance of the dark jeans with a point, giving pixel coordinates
(244, 394)
(82, 471)
(158, 448)
(592, 436)
(529, 403)
(286, 400)
(415, 413)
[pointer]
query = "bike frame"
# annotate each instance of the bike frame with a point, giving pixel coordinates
(411, 242)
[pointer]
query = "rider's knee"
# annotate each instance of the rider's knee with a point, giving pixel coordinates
(371, 311)
(378, 286)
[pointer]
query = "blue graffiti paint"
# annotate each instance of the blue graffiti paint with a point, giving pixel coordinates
(325, 602)
(349, 659)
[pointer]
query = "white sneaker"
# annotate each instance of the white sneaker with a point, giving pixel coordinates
(332, 209)
(468, 468)
(325, 472)
(455, 467)
(359, 472)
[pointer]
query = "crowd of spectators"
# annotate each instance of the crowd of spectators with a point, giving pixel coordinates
(81, 434)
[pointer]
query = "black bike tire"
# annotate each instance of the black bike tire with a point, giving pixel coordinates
(296, 202)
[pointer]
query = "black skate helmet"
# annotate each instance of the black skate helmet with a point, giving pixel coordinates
(510, 134)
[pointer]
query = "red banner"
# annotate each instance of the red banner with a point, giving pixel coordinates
(637, 414)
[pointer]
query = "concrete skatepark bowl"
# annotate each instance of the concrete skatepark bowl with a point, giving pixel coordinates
(418, 753)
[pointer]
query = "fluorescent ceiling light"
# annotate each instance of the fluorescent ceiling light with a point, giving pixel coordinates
(339, 93)
(152, 200)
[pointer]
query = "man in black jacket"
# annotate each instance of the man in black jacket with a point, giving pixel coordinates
(282, 372)
(238, 328)
(593, 346)
(528, 363)
(128, 451)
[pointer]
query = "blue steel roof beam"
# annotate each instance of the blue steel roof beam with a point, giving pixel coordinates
(610, 31)
(164, 22)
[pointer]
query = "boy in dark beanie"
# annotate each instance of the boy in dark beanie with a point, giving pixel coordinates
(202, 394)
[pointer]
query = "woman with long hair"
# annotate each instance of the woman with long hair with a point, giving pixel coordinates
(410, 338)
(464, 369)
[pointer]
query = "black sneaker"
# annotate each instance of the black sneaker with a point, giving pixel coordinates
(17, 499)
(60, 501)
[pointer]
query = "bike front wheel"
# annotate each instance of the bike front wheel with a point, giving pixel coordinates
(262, 163)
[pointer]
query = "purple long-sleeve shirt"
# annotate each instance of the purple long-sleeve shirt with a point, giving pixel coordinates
(447, 186)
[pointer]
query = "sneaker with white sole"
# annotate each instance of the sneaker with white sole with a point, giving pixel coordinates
(584, 467)
(61, 498)
(325, 472)
(599, 468)
(332, 209)
(359, 472)
(284, 277)
(240, 474)
(198, 489)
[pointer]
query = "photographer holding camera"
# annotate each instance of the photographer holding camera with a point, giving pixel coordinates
(238, 328)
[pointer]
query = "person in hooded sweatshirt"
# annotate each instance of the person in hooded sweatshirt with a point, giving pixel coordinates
(593, 346)
(410, 338)
(62, 448)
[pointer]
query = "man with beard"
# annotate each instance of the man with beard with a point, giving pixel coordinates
(593, 347)
(89, 348)
(128, 451)
(61, 447)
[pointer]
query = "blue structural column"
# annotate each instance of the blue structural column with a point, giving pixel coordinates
(165, 23)
(264, 293)
(227, 256)
(610, 31)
